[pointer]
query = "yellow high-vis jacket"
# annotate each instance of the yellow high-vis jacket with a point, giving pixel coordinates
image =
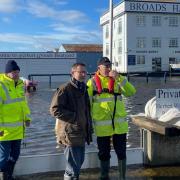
(109, 119)
(14, 110)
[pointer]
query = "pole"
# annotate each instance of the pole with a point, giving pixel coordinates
(165, 75)
(110, 28)
(50, 81)
(147, 77)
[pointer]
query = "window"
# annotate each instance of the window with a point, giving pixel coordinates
(141, 42)
(173, 42)
(107, 49)
(107, 31)
(120, 46)
(120, 60)
(114, 44)
(119, 26)
(172, 60)
(156, 42)
(115, 62)
(140, 20)
(114, 25)
(173, 21)
(131, 60)
(156, 21)
(140, 59)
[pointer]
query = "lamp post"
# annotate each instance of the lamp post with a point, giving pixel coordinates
(110, 28)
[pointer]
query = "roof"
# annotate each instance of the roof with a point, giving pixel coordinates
(83, 47)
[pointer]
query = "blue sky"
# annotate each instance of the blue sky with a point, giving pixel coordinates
(42, 25)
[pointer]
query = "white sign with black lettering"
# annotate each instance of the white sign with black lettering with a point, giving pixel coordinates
(166, 99)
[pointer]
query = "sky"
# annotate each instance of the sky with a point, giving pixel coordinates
(42, 25)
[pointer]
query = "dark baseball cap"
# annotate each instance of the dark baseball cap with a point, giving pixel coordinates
(104, 61)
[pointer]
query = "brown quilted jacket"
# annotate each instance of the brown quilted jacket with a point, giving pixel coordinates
(72, 109)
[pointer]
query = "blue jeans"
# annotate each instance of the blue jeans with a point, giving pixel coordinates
(9, 154)
(74, 159)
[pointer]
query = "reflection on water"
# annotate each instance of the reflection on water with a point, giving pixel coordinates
(40, 137)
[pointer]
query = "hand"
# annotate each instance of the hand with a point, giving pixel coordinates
(114, 74)
(1, 133)
(27, 123)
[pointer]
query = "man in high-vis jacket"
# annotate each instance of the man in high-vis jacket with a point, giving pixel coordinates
(14, 117)
(108, 112)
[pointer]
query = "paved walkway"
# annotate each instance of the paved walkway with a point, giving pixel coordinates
(133, 173)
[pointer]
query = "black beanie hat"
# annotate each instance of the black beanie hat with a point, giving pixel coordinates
(11, 66)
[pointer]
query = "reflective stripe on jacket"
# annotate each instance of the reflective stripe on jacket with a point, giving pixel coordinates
(102, 106)
(14, 109)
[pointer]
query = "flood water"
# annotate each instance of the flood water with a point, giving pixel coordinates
(40, 138)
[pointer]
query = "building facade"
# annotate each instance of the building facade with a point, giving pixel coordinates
(41, 63)
(89, 54)
(146, 35)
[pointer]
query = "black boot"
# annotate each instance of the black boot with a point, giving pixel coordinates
(104, 166)
(10, 169)
(122, 169)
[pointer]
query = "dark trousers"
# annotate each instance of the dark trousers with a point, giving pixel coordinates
(104, 146)
(9, 154)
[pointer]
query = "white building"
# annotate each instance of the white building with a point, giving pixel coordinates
(146, 35)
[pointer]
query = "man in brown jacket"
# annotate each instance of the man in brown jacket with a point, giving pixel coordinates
(71, 106)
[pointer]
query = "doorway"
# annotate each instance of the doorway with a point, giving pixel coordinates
(156, 64)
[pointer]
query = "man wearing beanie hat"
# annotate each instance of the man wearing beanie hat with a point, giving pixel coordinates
(13, 119)
(11, 66)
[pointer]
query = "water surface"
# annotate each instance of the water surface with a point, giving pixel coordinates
(40, 137)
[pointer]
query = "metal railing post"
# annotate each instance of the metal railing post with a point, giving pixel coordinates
(128, 76)
(49, 81)
(165, 75)
(147, 77)
(29, 77)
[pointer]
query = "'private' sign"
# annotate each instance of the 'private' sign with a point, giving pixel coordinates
(166, 99)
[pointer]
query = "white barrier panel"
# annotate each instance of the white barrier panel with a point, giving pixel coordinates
(56, 162)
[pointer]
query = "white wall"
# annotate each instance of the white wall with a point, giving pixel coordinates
(41, 66)
(164, 32)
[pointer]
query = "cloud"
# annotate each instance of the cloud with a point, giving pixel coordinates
(9, 6)
(67, 28)
(15, 38)
(28, 42)
(59, 2)
(42, 10)
(45, 42)
(77, 34)
(6, 20)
